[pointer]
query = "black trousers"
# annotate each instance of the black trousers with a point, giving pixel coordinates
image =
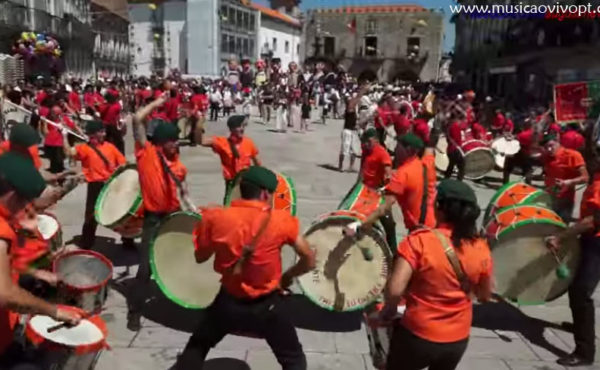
(214, 111)
(456, 160)
(409, 352)
(389, 226)
(521, 160)
(115, 137)
(381, 134)
(139, 288)
(580, 297)
(262, 316)
(88, 231)
(56, 156)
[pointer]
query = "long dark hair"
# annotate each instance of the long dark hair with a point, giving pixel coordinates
(463, 218)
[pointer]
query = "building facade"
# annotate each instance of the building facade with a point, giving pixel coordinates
(68, 20)
(158, 38)
(519, 60)
(110, 22)
(386, 42)
(279, 35)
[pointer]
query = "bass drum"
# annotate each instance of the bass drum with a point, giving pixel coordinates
(174, 268)
(503, 148)
(362, 199)
(441, 156)
(479, 159)
(525, 271)
(516, 193)
(283, 198)
(350, 274)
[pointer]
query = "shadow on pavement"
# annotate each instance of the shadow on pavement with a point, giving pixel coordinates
(506, 317)
(225, 363)
(307, 315)
(113, 250)
(329, 167)
(161, 310)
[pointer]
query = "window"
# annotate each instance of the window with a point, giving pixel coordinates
(240, 19)
(238, 45)
(251, 48)
(371, 26)
(223, 14)
(246, 21)
(287, 47)
(231, 17)
(371, 46)
(298, 49)
(274, 44)
(231, 43)
(252, 22)
(329, 46)
(245, 47)
(413, 44)
(225, 43)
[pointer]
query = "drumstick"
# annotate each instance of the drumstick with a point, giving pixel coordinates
(65, 324)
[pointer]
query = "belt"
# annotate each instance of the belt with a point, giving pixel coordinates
(248, 300)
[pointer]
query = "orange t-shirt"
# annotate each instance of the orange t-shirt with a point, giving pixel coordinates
(159, 191)
(429, 162)
(6, 317)
(93, 167)
(232, 166)
(225, 231)
(437, 309)
(33, 151)
(407, 185)
(565, 165)
(590, 200)
(373, 166)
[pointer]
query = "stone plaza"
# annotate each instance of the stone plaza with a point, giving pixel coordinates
(503, 336)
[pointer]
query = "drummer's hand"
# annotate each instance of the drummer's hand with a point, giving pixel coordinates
(352, 229)
(563, 184)
(70, 316)
(552, 242)
(47, 276)
(286, 281)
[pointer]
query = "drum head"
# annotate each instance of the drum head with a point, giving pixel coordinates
(47, 226)
(85, 333)
(83, 269)
(478, 163)
(524, 269)
(284, 197)
(119, 196)
(344, 279)
(441, 156)
(174, 268)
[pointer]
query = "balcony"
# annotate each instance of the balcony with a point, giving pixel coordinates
(158, 63)
(15, 16)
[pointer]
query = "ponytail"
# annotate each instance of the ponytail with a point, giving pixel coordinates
(463, 218)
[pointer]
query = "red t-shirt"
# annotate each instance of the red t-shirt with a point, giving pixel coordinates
(401, 124)
(199, 103)
(421, 129)
(478, 132)
(509, 126)
(554, 129)
(572, 140)
(54, 136)
(171, 108)
(455, 133)
(526, 140)
(110, 114)
(499, 121)
(373, 166)
(383, 117)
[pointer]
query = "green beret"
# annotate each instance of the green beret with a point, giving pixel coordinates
(22, 175)
(547, 138)
(261, 176)
(457, 190)
(411, 140)
(236, 121)
(23, 135)
(164, 132)
(368, 134)
(93, 127)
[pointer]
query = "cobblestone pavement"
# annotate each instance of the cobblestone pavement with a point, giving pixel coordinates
(503, 336)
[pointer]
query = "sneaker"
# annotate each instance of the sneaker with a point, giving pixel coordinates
(574, 360)
(134, 321)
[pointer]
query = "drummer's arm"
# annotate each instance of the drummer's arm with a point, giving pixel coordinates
(398, 281)
(306, 262)
(70, 151)
(139, 128)
(15, 298)
(389, 201)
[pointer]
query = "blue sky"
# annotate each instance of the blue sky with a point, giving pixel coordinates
(448, 27)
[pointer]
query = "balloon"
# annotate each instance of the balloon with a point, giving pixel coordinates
(152, 6)
(25, 36)
(31, 36)
(41, 37)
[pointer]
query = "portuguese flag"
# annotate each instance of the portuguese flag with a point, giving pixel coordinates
(577, 101)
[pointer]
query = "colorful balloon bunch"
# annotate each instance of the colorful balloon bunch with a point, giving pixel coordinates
(30, 44)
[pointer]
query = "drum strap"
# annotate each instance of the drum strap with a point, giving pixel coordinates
(168, 173)
(465, 285)
(425, 197)
(248, 249)
(104, 159)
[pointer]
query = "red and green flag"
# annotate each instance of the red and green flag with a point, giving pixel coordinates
(577, 101)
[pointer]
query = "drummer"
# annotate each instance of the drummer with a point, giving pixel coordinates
(587, 276)
(564, 169)
(162, 176)
(250, 299)
(408, 187)
(99, 159)
(375, 172)
(435, 328)
(523, 158)
(455, 139)
(237, 152)
(572, 138)
(20, 183)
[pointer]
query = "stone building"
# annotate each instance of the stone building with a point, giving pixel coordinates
(110, 22)
(520, 59)
(68, 20)
(387, 42)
